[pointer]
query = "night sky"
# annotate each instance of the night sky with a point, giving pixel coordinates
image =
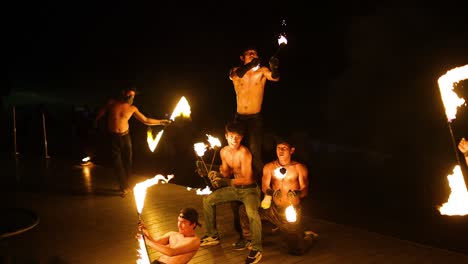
(361, 74)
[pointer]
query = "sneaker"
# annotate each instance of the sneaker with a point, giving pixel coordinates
(242, 244)
(209, 241)
(253, 257)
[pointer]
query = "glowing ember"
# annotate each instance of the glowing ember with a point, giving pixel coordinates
(458, 200)
(153, 141)
(449, 97)
(291, 214)
(182, 109)
(139, 190)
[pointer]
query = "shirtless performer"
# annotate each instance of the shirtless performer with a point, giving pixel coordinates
(119, 113)
(236, 161)
(175, 247)
(249, 84)
(285, 181)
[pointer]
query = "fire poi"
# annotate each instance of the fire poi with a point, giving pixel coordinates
(200, 149)
(458, 200)
(139, 191)
(182, 109)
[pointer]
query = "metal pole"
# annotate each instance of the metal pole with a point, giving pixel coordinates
(45, 136)
(14, 131)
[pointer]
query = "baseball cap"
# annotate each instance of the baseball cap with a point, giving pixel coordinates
(190, 214)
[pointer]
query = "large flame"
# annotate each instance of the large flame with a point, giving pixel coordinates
(449, 97)
(458, 200)
(139, 191)
(153, 141)
(142, 252)
(182, 109)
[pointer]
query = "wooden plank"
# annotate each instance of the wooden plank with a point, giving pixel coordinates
(336, 244)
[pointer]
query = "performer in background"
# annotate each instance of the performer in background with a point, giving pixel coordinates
(119, 111)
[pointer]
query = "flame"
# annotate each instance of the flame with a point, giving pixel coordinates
(278, 174)
(449, 97)
(457, 203)
(282, 40)
(182, 108)
(153, 141)
(86, 159)
(214, 142)
(139, 191)
(291, 214)
(204, 191)
(458, 200)
(142, 253)
(200, 148)
(199, 191)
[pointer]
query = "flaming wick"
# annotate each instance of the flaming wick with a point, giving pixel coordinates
(282, 40)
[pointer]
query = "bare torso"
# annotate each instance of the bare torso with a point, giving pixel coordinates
(237, 161)
(249, 91)
(290, 181)
(119, 114)
(175, 240)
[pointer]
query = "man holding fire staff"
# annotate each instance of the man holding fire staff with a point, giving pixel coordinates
(236, 162)
(119, 113)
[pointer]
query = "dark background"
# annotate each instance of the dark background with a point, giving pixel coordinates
(358, 91)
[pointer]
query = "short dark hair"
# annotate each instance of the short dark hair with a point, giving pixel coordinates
(235, 127)
(284, 140)
(248, 48)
